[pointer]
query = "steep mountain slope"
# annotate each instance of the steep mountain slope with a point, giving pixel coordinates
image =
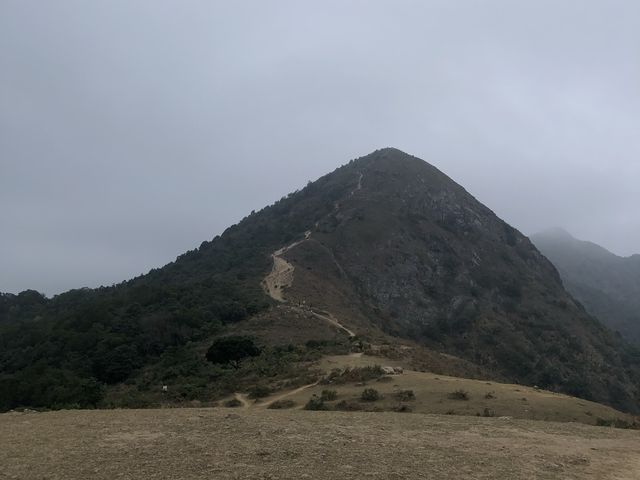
(384, 247)
(606, 284)
(414, 253)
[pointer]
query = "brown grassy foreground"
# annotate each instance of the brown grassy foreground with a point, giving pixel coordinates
(264, 444)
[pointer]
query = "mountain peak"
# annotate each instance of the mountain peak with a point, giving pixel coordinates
(393, 171)
(388, 154)
(390, 151)
(386, 247)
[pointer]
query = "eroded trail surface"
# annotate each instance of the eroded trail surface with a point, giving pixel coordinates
(281, 275)
(333, 321)
(286, 395)
(242, 399)
(221, 444)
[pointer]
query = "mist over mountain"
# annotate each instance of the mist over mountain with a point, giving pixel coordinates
(607, 285)
(385, 247)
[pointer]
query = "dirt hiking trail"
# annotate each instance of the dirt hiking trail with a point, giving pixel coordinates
(286, 395)
(281, 275)
(333, 321)
(242, 399)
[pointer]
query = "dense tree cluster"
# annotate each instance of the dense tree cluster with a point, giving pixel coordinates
(64, 351)
(231, 350)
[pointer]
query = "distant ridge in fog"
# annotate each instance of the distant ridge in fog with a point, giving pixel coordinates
(607, 284)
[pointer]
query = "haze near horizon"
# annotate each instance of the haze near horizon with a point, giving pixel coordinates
(130, 133)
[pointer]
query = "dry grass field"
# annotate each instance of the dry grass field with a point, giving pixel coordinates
(444, 438)
(221, 443)
(432, 395)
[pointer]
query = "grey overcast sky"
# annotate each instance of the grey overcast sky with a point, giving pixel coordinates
(132, 130)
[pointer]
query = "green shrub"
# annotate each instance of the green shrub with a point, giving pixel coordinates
(370, 395)
(405, 395)
(315, 403)
(354, 375)
(128, 400)
(233, 403)
(259, 391)
(231, 350)
(282, 404)
(403, 409)
(328, 395)
(385, 379)
(617, 423)
(459, 395)
(315, 344)
(347, 406)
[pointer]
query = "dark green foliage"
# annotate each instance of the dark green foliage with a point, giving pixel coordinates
(282, 404)
(458, 395)
(413, 249)
(370, 395)
(355, 374)
(101, 336)
(516, 357)
(385, 380)
(190, 376)
(328, 395)
(26, 304)
(115, 365)
(259, 391)
(512, 289)
(318, 343)
(107, 334)
(548, 376)
(403, 409)
(348, 406)
(617, 423)
(405, 395)
(231, 350)
(316, 403)
(577, 386)
(41, 386)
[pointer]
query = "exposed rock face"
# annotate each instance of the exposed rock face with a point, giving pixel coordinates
(408, 249)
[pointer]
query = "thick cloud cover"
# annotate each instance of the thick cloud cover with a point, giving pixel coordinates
(132, 131)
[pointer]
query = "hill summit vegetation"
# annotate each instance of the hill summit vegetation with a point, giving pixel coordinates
(386, 243)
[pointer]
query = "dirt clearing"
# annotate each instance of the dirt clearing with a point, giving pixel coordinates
(265, 444)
